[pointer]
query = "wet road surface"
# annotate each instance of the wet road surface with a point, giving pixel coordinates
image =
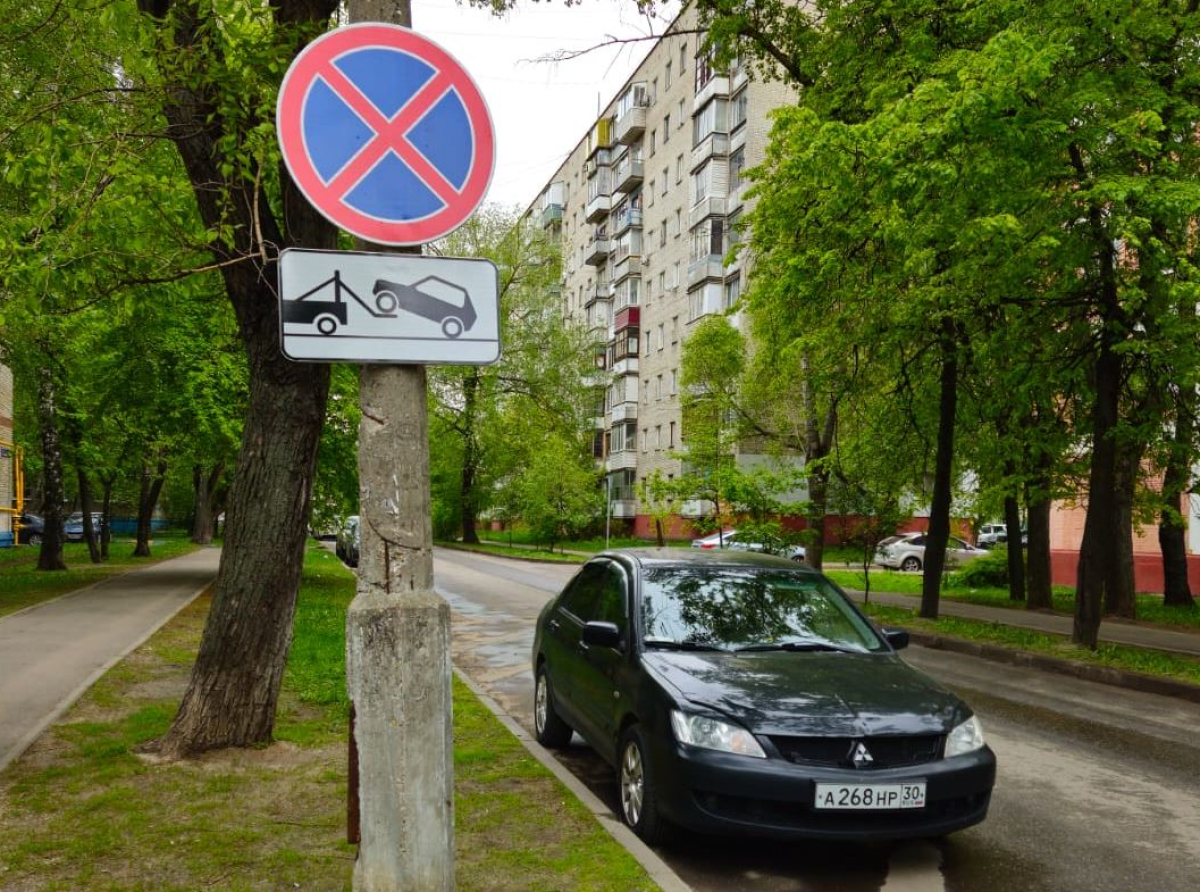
(1098, 788)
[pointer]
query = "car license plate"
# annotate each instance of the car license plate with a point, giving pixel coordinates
(870, 796)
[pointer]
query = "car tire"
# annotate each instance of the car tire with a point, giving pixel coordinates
(911, 564)
(549, 728)
(638, 794)
(34, 539)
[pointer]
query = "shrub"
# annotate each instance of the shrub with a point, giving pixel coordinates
(989, 571)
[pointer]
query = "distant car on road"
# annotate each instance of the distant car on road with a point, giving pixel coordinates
(730, 539)
(73, 527)
(991, 534)
(907, 552)
(739, 693)
(347, 543)
(33, 530)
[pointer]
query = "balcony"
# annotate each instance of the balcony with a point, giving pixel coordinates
(626, 218)
(623, 508)
(551, 214)
(629, 265)
(601, 159)
(599, 291)
(623, 411)
(706, 207)
(716, 86)
(708, 267)
(621, 461)
(715, 145)
(597, 207)
(631, 125)
(629, 317)
(626, 366)
(598, 250)
(628, 174)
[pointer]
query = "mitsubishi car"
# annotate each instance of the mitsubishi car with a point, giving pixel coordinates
(743, 693)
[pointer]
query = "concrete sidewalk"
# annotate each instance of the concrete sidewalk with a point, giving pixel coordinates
(51, 653)
(1111, 631)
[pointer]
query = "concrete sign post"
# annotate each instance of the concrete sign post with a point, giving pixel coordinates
(388, 136)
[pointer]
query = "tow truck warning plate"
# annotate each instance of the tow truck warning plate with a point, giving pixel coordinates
(355, 306)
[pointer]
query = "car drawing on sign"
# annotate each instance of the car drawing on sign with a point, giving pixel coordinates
(324, 314)
(742, 693)
(430, 298)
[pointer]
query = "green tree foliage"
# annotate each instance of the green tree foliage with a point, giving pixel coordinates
(560, 492)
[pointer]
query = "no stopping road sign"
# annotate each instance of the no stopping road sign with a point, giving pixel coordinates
(385, 134)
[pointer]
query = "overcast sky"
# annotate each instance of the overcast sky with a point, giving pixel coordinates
(540, 109)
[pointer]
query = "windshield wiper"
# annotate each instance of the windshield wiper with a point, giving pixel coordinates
(670, 644)
(801, 646)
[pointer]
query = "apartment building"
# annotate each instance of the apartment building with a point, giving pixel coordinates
(647, 206)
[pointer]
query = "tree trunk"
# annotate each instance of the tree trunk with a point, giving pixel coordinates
(234, 686)
(1099, 528)
(147, 501)
(1016, 565)
(85, 505)
(1172, 524)
(1037, 507)
(1120, 598)
(205, 493)
(938, 534)
(470, 465)
(106, 524)
(51, 555)
(815, 449)
(658, 532)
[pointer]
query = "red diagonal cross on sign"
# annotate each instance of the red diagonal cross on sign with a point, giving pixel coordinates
(389, 135)
(449, 160)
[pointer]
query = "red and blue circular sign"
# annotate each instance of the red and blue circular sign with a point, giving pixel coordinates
(385, 134)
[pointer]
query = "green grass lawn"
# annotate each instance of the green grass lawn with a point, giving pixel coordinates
(1150, 608)
(528, 553)
(1133, 659)
(23, 585)
(81, 810)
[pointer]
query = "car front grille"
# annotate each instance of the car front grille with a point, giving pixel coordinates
(886, 752)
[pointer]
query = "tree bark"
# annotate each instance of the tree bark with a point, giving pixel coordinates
(1037, 507)
(816, 448)
(1016, 564)
(107, 483)
(85, 505)
(205, 492)
(147, 501)
(470, 461)
(234, 686)
(1172, 524)
(938, 534)
(51, 555)
(1120, 598)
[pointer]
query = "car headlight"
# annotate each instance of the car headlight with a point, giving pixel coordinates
(965, 738)
(714, 734)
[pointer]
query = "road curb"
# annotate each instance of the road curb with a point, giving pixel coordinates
(511, 557)
(662, 874)
(1146, 684)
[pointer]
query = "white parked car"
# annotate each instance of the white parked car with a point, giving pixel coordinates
(729, 539)
(907, 552)
(991, 534)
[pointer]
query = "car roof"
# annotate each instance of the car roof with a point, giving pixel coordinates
(688, 557)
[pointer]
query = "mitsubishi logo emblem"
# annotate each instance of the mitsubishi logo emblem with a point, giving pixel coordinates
(861, 756)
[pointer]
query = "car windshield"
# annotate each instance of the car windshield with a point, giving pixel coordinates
(749, 607)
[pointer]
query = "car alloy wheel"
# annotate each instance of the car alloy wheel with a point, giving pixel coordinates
(34, 539)
(549, 728)
(633, 784)
(911, 564)
(639, 807)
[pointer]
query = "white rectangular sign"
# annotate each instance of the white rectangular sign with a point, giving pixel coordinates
(351, 306)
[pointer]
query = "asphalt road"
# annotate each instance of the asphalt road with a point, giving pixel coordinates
(52, 653)
(1098, 787)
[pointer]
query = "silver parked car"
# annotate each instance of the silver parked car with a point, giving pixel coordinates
(730, 539)
(991, 534)
(907, 552)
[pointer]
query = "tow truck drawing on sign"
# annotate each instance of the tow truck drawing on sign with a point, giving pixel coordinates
(430, 298)
(326, 315)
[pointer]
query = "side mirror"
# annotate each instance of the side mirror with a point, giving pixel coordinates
(897, 638)
(602, 635)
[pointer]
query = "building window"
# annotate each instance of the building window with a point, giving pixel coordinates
(741, 104)
(650, 195)
(700, 184)
(668, 74)
(662, 276)
(696, 304)
(682, 117)
(662, 338)
(646, 381)
(679, 169)
(683, 58)
(653, 139)
(645, 431)
(677, 279)
(678, 223)
(737, 164)
(733, 290)
(674, 329)
(671, 444)
(662, 234)
(649, 289)
(666, 129)
(705, 71)
(665, 180)
(658, 388)
(657, 437)
(711, 119)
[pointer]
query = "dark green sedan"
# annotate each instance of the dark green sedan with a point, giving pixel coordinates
(740, 693)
